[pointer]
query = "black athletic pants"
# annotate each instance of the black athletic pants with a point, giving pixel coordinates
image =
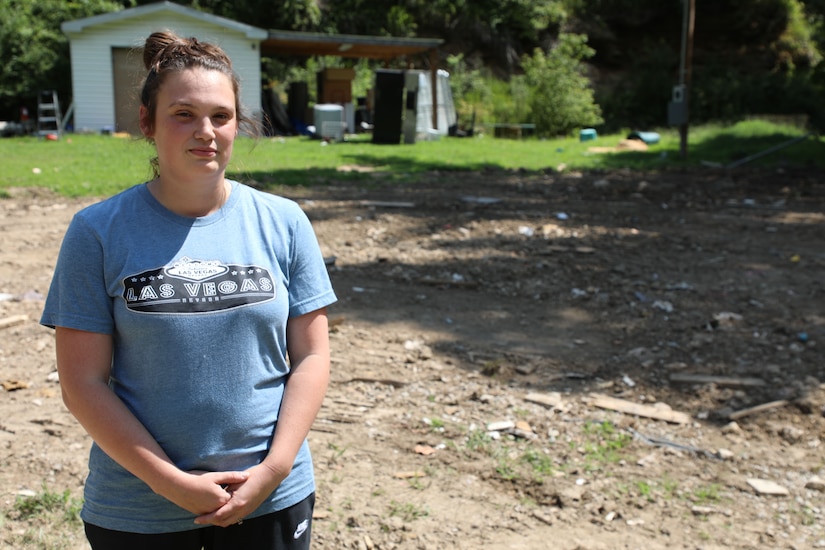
(288, 529)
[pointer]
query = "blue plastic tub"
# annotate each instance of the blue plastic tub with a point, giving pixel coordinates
(587, 134)
(651, 138)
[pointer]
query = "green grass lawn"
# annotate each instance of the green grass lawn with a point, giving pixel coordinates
(94, 165)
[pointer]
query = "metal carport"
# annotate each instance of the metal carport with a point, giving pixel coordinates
(384, 48)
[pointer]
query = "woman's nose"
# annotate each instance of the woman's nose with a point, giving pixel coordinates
(204, 129)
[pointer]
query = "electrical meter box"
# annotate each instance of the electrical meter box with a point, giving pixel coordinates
(677, 112)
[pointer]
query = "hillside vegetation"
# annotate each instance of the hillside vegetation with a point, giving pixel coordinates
(748, 56)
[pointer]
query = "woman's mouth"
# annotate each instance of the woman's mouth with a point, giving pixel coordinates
(204, 152)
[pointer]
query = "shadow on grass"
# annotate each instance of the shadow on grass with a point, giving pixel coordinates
(367, 170)
(727, 151)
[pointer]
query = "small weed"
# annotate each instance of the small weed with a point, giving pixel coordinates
(541, 463)
(48, 503)
(806, 515)
(506, 469)
(436, 424)
(407, 511)
(415, 483)
(337, 451)
(607, 445)
(645, 490)
(521, 413)
(670, 487)
(50, 520)
(709, 494)
(478, 440)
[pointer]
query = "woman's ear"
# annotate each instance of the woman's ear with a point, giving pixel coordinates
(146, 126)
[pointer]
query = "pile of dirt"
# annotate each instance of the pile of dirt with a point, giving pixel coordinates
(520, 360)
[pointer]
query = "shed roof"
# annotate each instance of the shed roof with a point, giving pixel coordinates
(78, 25)
(344, 45)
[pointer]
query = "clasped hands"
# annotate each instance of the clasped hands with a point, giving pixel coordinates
(223, 498)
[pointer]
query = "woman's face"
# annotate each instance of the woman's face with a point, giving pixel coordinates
(195, 124)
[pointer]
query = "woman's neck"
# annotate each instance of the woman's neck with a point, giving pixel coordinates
(190, 200)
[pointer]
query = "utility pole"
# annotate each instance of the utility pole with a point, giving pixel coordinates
(685, 68)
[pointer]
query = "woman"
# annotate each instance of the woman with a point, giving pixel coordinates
(191, 333)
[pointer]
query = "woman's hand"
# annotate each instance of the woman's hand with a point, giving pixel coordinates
(202, 492)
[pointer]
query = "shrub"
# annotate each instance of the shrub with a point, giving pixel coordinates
(561, 96)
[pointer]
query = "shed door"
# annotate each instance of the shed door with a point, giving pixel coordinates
(128, 73)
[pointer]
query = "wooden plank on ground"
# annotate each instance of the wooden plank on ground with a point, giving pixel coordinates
(637, 409)
(13, 320)
(767, 487)
(730, 381)
(552, 400)
(757, 409)
(388, 204)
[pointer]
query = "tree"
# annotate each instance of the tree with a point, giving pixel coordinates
(34, 50)
(561, 98)
(292, 15)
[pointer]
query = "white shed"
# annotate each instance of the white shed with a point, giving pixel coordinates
(107, 62)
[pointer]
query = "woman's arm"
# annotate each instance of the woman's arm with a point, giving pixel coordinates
(308, 345)
(84, 362)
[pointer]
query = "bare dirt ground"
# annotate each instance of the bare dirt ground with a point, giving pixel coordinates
(520, 360)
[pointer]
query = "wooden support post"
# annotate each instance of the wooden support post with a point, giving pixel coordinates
(434, 84)
(685, 77)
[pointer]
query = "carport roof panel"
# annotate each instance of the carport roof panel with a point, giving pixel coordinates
(344, 45)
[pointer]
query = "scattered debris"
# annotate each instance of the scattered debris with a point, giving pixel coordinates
(661, 442)
(393, 383)
(816, 483)
(424, 450)
(409, 475)
(501, 426)
(551, 318)
(480, 200)
(14, 385)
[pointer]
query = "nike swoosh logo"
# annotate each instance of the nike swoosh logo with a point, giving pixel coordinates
(301, 529)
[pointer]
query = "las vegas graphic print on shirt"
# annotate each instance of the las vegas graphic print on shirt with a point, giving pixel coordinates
(197, 286)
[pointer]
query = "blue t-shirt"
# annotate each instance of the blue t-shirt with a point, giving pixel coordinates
(197, 308)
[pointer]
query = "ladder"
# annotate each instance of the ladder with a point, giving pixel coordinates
(48, 114)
